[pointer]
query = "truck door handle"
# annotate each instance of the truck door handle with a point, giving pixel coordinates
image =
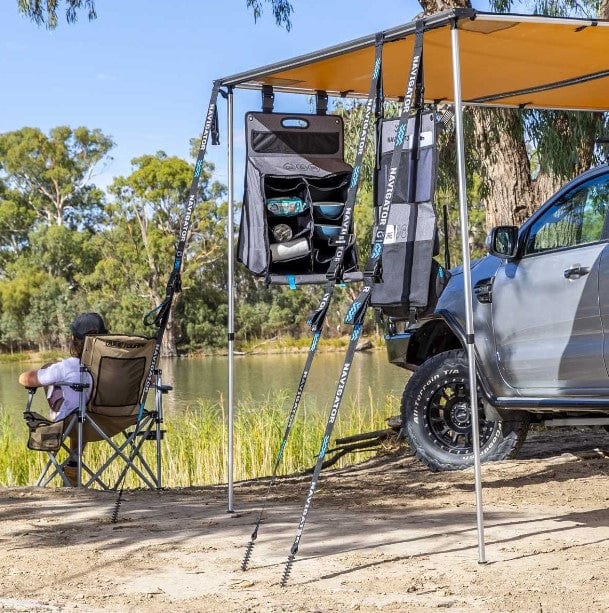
(576, 271)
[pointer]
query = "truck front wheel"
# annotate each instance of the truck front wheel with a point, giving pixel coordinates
(436, 417)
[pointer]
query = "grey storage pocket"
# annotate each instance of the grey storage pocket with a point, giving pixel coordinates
(44, 435)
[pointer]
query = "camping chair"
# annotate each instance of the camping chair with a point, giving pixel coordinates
(118, 366)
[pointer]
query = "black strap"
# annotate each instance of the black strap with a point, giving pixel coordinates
(174, 284)
(268, 99)
(446, 245)
(334, 276)
(413, 213)
(321, 102)
(317, 319)
(379, 113)
(343, 241)
(412, 98)
(215, 129)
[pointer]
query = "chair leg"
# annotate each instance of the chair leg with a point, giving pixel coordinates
(58, 470)
(45, 470)
(119, 452)
(135, 452)
(158, 452)
(88, 476)
(159, 422)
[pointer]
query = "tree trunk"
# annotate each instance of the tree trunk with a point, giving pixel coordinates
(504, 165)
(503, 160)
(168, 344)
(511, 192)
(169, 347)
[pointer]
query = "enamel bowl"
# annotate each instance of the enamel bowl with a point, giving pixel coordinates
(326, 231)
(328, 210)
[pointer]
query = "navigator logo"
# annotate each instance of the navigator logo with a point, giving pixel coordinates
(301, 166)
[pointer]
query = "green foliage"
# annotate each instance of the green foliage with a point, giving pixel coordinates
(64, 253)
(54, 172)
(194, 449)
(551, 8)
(282, 10)
(16, 218)
(64, 249)
(203, 311)
(147, 219)
(563, 142)
(44, 12)
(560, 144)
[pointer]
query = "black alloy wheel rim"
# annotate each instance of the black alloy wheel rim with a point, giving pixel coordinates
(448, 418)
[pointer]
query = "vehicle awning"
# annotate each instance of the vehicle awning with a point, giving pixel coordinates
(506, 60)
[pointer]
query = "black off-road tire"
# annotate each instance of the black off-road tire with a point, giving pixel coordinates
(436, 417)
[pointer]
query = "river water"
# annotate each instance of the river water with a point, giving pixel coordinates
(371, 378)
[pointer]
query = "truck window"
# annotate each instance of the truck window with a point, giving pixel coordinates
(576, 219)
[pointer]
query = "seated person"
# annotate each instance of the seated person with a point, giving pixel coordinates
(63, 400)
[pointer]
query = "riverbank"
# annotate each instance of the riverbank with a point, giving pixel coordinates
(199, 432)
(300, 345)
(385, 535)
(263, 347)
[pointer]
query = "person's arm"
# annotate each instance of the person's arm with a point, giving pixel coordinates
(29, 378)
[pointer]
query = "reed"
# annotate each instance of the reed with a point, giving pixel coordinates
(195, 444)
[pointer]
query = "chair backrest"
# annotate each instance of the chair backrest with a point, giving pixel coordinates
(119, 365)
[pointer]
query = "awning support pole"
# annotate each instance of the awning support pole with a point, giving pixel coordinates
(467, 285)
(231, 298)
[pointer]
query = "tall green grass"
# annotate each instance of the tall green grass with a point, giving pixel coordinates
(195, 444)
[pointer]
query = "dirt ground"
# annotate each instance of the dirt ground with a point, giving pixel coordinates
(383, 535)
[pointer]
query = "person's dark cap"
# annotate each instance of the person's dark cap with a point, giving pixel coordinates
(88, 323)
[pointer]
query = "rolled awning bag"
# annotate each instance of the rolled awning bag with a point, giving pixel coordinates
(411, 235)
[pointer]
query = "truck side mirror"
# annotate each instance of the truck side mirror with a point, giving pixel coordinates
(502, 242)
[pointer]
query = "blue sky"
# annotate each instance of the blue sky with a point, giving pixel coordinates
(142, 72)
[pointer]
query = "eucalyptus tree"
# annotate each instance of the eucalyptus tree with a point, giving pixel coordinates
(523, 156)
(45, 12)
(16, 220)
(146, 221)
(54, 173)
(17, 290)
(49, 207)
(40, 288)
(515, 158)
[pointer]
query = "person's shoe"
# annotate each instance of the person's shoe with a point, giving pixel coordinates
(71, 473)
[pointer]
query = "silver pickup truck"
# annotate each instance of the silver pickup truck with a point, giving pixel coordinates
(541, 320)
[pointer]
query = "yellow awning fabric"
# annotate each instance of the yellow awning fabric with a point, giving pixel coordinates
(506, 60)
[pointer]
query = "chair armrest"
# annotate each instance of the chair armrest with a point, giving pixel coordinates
(77, 387)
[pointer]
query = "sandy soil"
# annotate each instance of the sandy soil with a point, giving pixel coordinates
(384, 535)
